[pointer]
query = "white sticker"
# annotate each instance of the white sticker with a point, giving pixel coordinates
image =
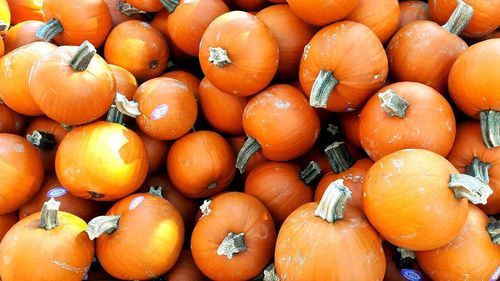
(135, 202)
(495, 275)
(159, 111)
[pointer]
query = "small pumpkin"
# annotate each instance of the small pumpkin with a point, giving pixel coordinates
(411, 11)
(21, 34)
(321, 12)
(6, 222)
(126, 84)
(185, 269)
(191, 81)
(25, 10)
(10, 121)
(121, 11)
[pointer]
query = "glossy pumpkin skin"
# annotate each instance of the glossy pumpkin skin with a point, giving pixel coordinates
(481, 91)
(66, 246)
(411, 11)
(68, 96)
(135, 251)
(126, 84)
(89, 20)
(24, 10)
(21, 172)
(15, 69)
(282, 122)
(168, 108)
(223, 111)
(201, 164)
(256, 160)
(356, 57)
(118, 17)
(349, 126)
(191, 81)
(407, 200)
(292, 35)
(483, 21)
(320, 12)
(310, 248)
(238, 213)
(146, 5)
(189, 21)
(454, 260)
(6, 222)
(10, 121)
(185, 269)
(111, 161)
(254, 55)
(21, 34)
(157, 151)
(137, 47)
(52, 188)
(469, 144)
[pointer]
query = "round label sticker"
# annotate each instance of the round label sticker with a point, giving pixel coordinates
(56, 192)
(411, 274)
(159, 111)
(135, 202)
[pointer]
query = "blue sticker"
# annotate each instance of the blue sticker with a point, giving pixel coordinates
(56, 192)
(411, 274)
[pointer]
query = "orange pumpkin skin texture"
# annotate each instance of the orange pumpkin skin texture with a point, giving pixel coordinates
(411, 11)
(21, 34)
(254, 55)
(407, 200)
(111, 161)
(320, 12)
(70, 96)
(89, 20)
(168, 108)
(454, 261)
(292, 35)
(11, 122)
(187, 23)
(201, 164)
(256, 160)
(469, 145)
(355, 56)
(21, 172)
(264, 117)
(138, 229)
(126, 84)
(6, 222)
(157, 151)
(185, 269)
(428, 123)
(191, 81)
(146, 5)
(234, 212)
(117, 16)
(484, 20)
(15, 69)
(137, 47)
(223, 111)
(24, 10)
(349, 126)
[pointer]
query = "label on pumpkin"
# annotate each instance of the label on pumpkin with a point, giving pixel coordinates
(495, 275)
(56, 192)
(411, 274)
(159, 111)
(135, 202)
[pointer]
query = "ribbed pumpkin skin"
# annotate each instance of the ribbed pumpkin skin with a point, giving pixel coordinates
(321, 12)
(21, 34)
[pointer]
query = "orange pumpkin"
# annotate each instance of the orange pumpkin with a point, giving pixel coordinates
(321, 12)
(249, 5)
(255, 160)
(234, 239)
(191, 81)
(21, 34)
(411, 11)
(126, 84)
(10, 121)
(242, 67)
(157, 151)
(185, 269)
(25, 10)
(121, 11)
(159, 22)
(342, 66)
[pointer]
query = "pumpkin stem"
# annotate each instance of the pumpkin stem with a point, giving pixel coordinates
(49, 30)
(83, 56)
(404, 258)
(339, 157)
(156, 191)
(205, 208)
(170, 4)
(127, 9)
(460, 18)
(332, 205)
(478, 169)
(393, 104)
(247, 150)
(3, 26)
(232, 245)
(102, 224)
(490, 127)
(471, 188)
(129, 108)
(42, 140)
(270, 273)
(48, 217)
(218, 57)
(67, 128)
(322, 89)
(494, 230)
(114, 115)
(310, 173)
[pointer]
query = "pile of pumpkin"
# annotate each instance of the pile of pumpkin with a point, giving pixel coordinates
(327, 140)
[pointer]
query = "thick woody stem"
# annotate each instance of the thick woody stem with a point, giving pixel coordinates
(460, 17)
(127, 9)
(490, 127)
(494, 231)
(478, 169)
(49, 30)
(102, 224)
(219, 57)
(471, 188)
(205, 208)
(393, 104)
(83, 56)
(338, 157)
(322, 88)
(170, 4)
(310, 173)
(246, 152)
(129, 108)
(232, 245)
(48, 217)
(42, 140)
(156, 190)
(332, 205)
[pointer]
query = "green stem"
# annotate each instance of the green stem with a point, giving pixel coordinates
(219, 57)
(494, 231)
(393, 104)
(3, 26)
(490, 127)
(471, 188)
(48, 216)
(156, 191)
(49, 30)
(83, 56)
(332, 205)
(127, 9)
(170, 5)
(232, 245)
(42, 140)
(129, 108)
(102, 224)
(246, 152)
(404, 258)
(478, 169)
(460, 17)
(338, 157)
(322, 89)
(114, 115)
(310, 173)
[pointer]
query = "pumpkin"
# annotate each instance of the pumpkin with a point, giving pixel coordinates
(159, 22)
(398, 117)
(279, 122)
(63, 249)
(2, 47)
(454, 261)
(255, 160)
(417, 200)
(185, 269)
(111, 161)
(411, 11)
(84, 209)
(121, 11)
(223, 111)
(478, 96)
(10, 121)
(15, 69)
(148, 5)
(244, 66)
(188, 20)
(157, 151)
(234, 239)
(21, 172)
(321, 12)
(282, 187)
(249, 5)
(349, 126)
(470, 155)
(483, 21)
(439, 49)
(201, 164)
(74, 22)
(21, 34)
(24, 10)
(191, 81)
(381, 16)
(6, 222)
(342, 66)
(126, 84)
(5, 17)
(313, 241)
(45, 134)
(137, 47)
(128, 244)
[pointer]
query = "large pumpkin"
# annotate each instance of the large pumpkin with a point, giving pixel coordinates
(322, 12)
(157, 152)
(21, 34)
